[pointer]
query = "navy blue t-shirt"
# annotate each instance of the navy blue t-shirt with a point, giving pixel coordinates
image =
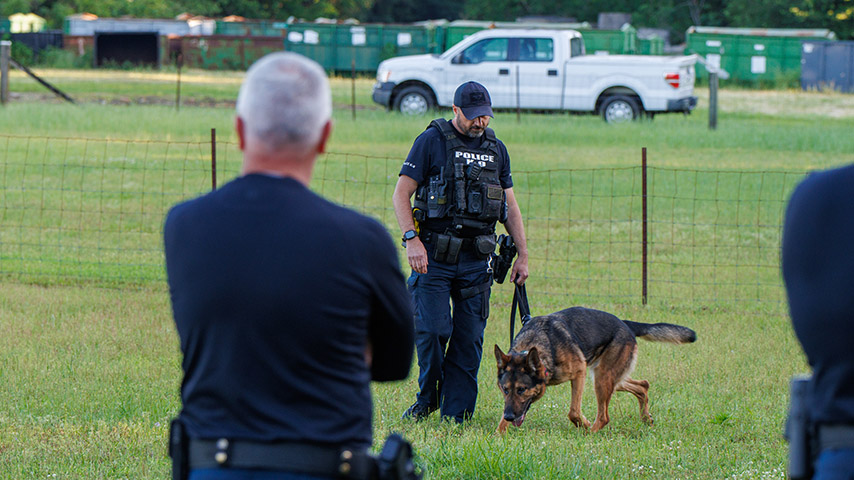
(818, 269)
(276, 294)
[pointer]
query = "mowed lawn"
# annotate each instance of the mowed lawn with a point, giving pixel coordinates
(90, 375)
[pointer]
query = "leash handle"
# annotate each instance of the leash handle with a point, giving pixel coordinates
(520, 298)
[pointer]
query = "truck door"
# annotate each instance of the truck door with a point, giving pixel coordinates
(540, 74)
(486, 62)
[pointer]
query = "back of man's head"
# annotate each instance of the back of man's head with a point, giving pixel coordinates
(284, 102)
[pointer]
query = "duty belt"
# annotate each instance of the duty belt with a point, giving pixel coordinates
(283, 457)
(832, 437)
(428, 236)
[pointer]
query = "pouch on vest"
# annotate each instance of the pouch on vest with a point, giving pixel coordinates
(447, 248)
(493, 198)
(432, 196)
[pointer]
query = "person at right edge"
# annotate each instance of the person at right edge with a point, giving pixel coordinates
(459, 173)
(818, 270)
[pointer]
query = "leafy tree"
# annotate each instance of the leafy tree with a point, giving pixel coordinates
(397, 11)
(676, 15)
(836, 15)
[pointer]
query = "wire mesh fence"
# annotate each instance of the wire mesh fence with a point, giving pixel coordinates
(91, 211)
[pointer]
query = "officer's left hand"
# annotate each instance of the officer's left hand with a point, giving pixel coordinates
(519, 274)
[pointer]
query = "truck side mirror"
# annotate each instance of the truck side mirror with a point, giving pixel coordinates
(458, 59)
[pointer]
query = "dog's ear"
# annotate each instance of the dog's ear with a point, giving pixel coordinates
(534, 362)
(500, 357)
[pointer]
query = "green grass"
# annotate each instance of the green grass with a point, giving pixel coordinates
(91, 375)
(91, 379)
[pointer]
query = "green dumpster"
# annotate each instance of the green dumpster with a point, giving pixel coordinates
(357, 46)
(399, 40)
(457, 30)
(316, 41)
(652, 45)
(751, 55)
(618, 42)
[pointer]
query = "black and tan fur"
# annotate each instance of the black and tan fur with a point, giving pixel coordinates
(556, 348)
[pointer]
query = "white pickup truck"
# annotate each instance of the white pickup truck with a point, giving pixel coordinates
(539, 70)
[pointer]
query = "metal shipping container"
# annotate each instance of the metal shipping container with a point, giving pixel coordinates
(752, 54)
(828, 65)
(253, 28)
(222, 52)
(77, 25)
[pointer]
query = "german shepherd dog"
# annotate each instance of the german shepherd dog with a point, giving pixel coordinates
(553, 349)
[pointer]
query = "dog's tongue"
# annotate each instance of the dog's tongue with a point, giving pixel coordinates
(518, 421)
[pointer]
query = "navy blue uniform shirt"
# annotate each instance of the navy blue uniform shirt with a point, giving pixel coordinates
(818, 269)
(428, 155)
(276, 292)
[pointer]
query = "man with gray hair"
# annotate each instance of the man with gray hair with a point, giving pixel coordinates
(286, 305)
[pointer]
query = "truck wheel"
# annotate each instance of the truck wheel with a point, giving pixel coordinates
(620, 109)
(413, 101)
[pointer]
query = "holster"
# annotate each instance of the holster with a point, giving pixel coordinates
(178, 450)
(395, 460)
(800, 432)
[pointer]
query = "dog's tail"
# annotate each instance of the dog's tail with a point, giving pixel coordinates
(662, 332)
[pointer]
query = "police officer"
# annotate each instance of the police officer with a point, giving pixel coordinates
(459, 174)
(286, 305)
(818, 270)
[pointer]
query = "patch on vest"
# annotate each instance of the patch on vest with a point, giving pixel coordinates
(470, 157)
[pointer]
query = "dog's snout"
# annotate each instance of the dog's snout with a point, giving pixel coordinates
(509, 416)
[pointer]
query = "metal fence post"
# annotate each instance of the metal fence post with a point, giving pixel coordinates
(518, 99)
(713, 100)
(5, 54)
(645, 232)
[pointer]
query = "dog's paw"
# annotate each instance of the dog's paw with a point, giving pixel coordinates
(579, 421)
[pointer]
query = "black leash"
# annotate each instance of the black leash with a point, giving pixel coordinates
(520, 298)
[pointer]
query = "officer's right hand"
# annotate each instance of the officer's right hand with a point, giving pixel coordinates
(417, 255)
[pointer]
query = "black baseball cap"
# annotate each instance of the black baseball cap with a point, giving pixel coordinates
(473, 99)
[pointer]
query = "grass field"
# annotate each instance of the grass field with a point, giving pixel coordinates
(90, 375)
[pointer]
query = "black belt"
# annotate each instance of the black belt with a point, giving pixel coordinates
(428, 236)
(832, 437)
(283, 457)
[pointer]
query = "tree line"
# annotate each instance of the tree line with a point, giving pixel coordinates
(673, 15)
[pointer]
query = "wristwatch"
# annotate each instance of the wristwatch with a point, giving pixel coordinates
(408, 235)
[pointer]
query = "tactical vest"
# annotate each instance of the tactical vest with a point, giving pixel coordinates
(467, 189)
